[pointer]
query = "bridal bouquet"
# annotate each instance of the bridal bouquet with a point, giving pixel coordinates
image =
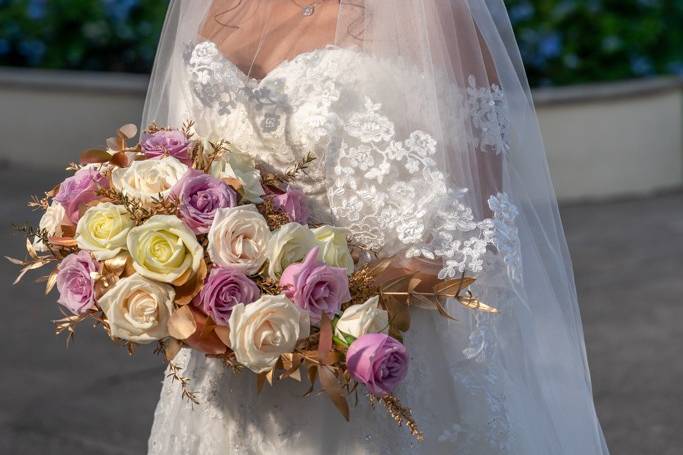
(182, 241)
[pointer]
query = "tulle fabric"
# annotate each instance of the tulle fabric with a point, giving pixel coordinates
(511, 383)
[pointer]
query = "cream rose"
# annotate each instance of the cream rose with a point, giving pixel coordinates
(145, 180)
(103, 230)
(358, 320)
(288, 245)
(51, 222)
(238, 238)
(334, 250)
(163, 248)
(261, 331)
(138, 309)
(240, 166)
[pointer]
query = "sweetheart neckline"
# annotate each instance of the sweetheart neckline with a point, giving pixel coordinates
(276, 68)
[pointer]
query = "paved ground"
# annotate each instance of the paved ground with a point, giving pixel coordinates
(95, 399)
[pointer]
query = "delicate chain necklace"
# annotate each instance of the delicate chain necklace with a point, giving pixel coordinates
(307, 10)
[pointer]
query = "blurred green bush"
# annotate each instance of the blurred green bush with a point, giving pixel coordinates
(562, 41)
(102, 35)
(574, 41)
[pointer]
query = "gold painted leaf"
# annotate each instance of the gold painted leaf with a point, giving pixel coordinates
(334, 390)
(95, 156)
(120, 159)
(171, 348)
(223, 334)
(113, 143)
(325, 340)
(14, 261)
(399, 313)
(63, 241)
(51, 281)
(182, 324)
(129, 130)
(187, 291)
(475, 304)
(450, 288)
(260, 381)
(31, 250)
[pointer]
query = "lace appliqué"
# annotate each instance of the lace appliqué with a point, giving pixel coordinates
(489, 119)
(506, 234)
(369, 156)
(216, 83)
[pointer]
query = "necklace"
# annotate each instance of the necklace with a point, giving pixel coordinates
(309, 9)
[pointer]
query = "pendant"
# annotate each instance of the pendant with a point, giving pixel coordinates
(308, 10)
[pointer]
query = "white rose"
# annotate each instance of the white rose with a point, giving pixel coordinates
(261, 331)
(238, 238)
(240, 166)
(357, 320)
(103, 229)
(164, 249)
(138, 309)
(288, 245)
(145, 180)
(51, 222)
(334, 250)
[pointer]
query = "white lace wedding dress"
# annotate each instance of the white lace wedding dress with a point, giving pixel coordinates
(426, 143)
(384, 187)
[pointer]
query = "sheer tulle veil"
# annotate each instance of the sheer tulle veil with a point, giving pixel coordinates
(458, 75)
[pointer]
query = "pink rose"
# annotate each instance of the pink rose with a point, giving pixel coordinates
(201, 195)
(79, 189)
(316, 287)
(378, 361)
(293, 203)
(166, 143)
(75, 282)
(224, 288)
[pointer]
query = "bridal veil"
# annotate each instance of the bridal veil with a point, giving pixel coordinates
(452, 83)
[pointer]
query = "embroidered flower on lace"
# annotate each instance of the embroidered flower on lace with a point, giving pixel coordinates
(217, 83)
(457, 238)
(368, 157)
(488, 112)
(506, 233)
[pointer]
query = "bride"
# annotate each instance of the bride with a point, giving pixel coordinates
(427, 150)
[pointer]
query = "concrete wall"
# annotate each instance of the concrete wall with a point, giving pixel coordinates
(601, 140)
(49, 117)
(614, 139)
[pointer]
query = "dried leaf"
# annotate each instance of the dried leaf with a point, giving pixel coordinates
(379, 267)
(31, 250)
(451, 288)
(113, 143)
(68, 230)
(117, 264)
(312, 373)
(171, 348)
(334, 390)
(14, 260)
(51, 281)
(442, 309)
(95, 156)
(63, 241)
(399, 313)
(182, 324)
(187, 291)
(325, 339)
(475, 304)
(260, 381)
(128, 130)
(223, 334)
(120, 159)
